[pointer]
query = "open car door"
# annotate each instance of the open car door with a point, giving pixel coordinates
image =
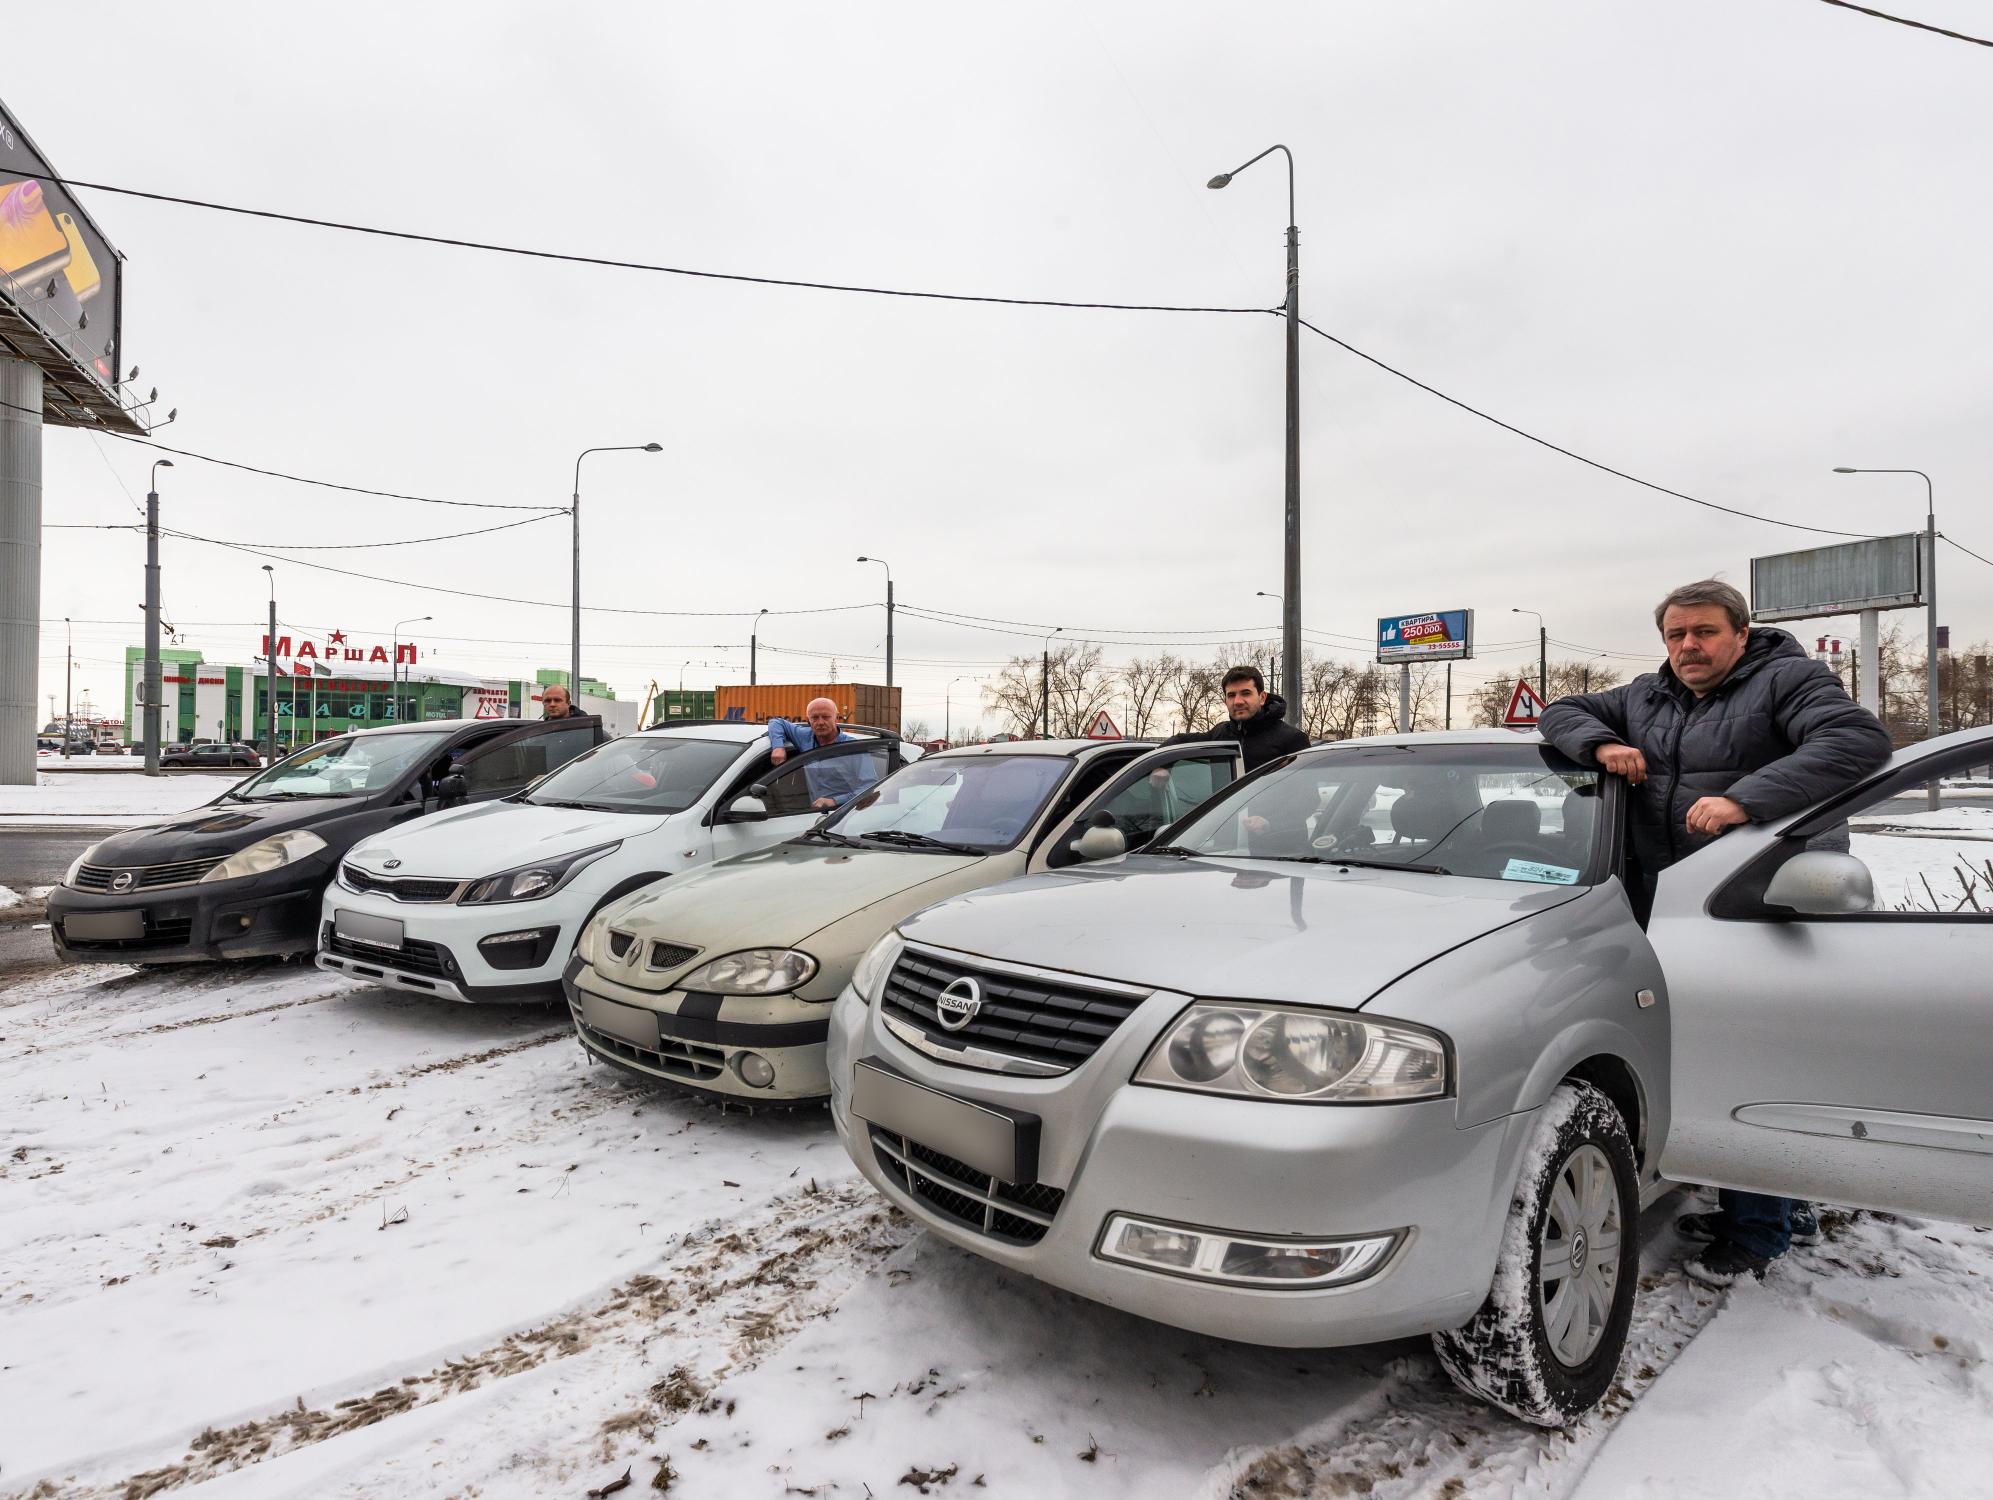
(1146, 796)
(1832, 1015)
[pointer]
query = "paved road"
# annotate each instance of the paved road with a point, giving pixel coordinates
(31, 857)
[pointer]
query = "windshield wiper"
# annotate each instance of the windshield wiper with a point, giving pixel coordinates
(920, 841)
(1173, 851)
(824, 835)
(1368, 864)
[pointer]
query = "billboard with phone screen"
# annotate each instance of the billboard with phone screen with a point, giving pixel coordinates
(57, 270)
(1437, 635)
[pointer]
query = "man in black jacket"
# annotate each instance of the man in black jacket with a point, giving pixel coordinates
(1254, 717)
(1740, 726)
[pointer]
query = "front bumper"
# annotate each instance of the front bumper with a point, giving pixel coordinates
(1243, 1166)
(698, 1041)
(440, 954)
(252, 916)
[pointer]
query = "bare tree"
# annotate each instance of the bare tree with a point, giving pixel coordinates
(914, 729)
(1079, 688)
(1145, 680)
(1490, 701)
(1192, 690)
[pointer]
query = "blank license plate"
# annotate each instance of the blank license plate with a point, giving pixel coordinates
(363, 927)
(1003, 1143)
(104, 926)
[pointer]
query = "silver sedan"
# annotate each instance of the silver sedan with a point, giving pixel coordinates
(1376, 1044)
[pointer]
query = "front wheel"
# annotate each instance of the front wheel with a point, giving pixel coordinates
(1546, 1344)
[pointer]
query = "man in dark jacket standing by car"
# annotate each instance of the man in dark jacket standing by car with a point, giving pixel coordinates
(1740, 726)
(1254, 717)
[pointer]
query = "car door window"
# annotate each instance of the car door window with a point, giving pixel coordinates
(515, 763)
(826, 778)
(1151, 796)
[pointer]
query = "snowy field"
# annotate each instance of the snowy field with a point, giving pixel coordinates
(108, 800)
(265, 1233)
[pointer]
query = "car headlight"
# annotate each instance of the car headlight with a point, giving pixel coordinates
(273, 853)
(531, 882)
(754, 971)
(870, 975)
(69, 875)
(1295, 1053)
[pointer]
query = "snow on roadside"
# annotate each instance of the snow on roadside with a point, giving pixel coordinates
(107, 799)
(9, 898)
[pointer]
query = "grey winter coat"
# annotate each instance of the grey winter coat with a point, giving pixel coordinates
(1778, 733)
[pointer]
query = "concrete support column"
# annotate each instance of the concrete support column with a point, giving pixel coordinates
(20, 568)
(1868, 663)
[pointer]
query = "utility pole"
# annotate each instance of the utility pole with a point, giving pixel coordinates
(152, 672)
(270, 678)
(1449, 695)
(68, 670)
(754, 652)
(1045, 688)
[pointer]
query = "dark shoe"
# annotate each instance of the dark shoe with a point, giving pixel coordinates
(1805, 1224)
(1725, 1264)
(1700, 1226)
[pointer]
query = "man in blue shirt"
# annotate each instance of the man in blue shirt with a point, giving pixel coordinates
(836, 781)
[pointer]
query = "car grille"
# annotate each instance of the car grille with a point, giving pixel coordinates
(1055, 1024)
(672, 1057)
(144, 877)
(160, 932)
(976, 1200)
(412, 957)
(412, 889)
(665, 956)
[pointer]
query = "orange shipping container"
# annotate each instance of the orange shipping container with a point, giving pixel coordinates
(857, 702)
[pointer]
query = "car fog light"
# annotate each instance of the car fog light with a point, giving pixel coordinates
(756, 1071)
(1213, 1255)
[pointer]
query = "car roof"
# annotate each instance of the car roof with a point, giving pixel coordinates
(451, 725)
(1039, 747)
(1440, 737)
(726, 732)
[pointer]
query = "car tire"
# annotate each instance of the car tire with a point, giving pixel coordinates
(1539, 1347)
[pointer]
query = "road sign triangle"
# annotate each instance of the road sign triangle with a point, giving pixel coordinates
(1525, 705)
(1103, 728)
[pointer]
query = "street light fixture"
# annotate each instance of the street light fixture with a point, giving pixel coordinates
(395, 677)
(1045, 687)
(889, 613)
(1931, 727)
(574, 645)
(1542, 653)
(754, 651)
(1290, 594)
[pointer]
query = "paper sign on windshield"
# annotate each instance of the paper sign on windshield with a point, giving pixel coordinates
(1527, 869)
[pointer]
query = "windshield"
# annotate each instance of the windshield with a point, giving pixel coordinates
(349, 767)
(1495, 812)
(642, 774)
(977, 802)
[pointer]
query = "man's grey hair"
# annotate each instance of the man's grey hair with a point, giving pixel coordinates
(1707, 591)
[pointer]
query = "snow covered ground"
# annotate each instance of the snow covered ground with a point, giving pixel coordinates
(108, 800)
(266, 1233)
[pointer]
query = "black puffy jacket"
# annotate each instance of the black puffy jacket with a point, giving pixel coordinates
(1265, 736)
(1778, 733)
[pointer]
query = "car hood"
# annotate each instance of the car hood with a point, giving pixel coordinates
(467, 842)
(219, 828)
(1232, 929)
(778, 896)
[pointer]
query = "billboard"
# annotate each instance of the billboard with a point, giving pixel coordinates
(1438, 635)
(57, 271)
(1884, 572)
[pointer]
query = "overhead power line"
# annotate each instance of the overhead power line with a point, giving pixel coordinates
(408, 541)
(1968, 551)
(1883, 15)
(613, 263)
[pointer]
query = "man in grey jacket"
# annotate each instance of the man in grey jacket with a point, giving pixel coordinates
(1740, 726)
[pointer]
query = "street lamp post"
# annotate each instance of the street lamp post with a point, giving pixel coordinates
(574, 624)
(68, 670)
(395, 678)
(1931, 726)
(1045, 687)
(948, 706)
(1290, 632)
(1292, 705)
(1542, 653)
(889, 613)
(754, 651)
(150, 724)
(270, 675)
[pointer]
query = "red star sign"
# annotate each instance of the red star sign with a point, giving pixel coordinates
(337, 638)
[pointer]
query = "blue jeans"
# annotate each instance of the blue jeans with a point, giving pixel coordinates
(1755, 1223)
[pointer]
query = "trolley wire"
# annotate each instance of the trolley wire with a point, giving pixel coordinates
(1883, 15)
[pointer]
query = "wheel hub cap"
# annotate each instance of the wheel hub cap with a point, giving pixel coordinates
(1578, 1253)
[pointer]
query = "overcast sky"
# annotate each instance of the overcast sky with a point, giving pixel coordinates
(1722, 244)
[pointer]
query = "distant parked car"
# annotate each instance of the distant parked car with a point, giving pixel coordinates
(204, 753)
(107, 747)
(241, 877)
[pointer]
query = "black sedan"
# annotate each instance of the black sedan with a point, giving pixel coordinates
(242, 876)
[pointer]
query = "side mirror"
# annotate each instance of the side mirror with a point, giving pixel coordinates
(453, 788)
(1819, 883)
(748, 809)
(1102, 841)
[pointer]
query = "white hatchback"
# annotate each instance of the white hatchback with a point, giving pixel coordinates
(484, 903)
